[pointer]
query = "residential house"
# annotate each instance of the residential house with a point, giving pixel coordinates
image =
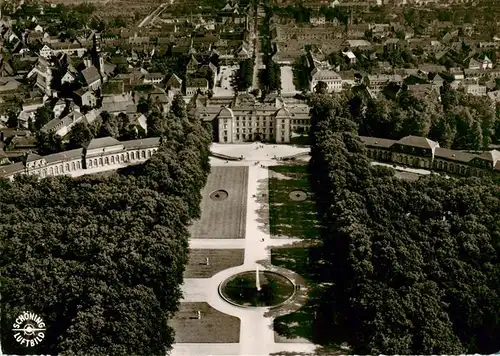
(116, 104)
(351, 57)
(62, 126)
(84, 97)
(153, 78)
(378, 82)
(486, 63)
(91, 78)
(29, 108)
(174, 83)
(474, 64)
(43, 72)
(192, 65)
(68, 77)
(58, 108)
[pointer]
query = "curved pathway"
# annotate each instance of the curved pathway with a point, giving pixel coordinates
(256, 329)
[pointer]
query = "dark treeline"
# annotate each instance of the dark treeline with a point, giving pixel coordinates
(458, 121)
(101, 258)
(413, 266)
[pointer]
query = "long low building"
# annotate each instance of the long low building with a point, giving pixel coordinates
(421, 152)
(99, 155)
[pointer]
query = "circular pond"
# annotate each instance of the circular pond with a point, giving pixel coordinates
(241, 289)
(298, 195)
(219, 195)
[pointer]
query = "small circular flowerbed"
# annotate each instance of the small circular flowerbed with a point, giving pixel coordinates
(298, 195)
(219, 195)
(241, 289)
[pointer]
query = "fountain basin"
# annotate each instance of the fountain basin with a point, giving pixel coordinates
(241, 289)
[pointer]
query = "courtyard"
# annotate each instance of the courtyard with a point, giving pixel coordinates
(287, 86)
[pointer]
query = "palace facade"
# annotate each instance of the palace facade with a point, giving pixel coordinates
(243, 119)
(99, 155)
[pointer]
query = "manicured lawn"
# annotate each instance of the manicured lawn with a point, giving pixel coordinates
(223, 219)
(306, 324)
(213, 327)
(218, 260)
(289, 218)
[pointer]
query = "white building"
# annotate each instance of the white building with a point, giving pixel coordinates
(100, 155)
(242, 119)
(332, 80)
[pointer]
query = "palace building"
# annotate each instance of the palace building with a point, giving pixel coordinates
(243, 119)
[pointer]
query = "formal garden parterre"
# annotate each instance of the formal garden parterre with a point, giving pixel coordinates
(223, 218)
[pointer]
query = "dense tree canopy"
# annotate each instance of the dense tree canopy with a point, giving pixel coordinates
(101, 258)
(413, 265)
(244, 75)
(458, 121)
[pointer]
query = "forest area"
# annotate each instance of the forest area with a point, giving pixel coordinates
(412, 267)
(101, 258)
(458, 121)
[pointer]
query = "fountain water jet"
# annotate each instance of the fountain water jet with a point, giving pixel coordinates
(257, 278)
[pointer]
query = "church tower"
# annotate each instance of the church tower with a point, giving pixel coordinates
(95, 57)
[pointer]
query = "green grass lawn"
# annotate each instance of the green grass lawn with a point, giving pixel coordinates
(309, 322)
(287, 217)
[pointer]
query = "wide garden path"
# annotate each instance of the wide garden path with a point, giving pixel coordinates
(256, 329)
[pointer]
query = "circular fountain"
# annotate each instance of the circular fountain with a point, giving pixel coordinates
(257, 289)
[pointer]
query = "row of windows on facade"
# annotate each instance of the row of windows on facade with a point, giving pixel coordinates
(437, 164)
(119, 158)
(65, 168)
(250, 131)
(245, 118)
(270, 124)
